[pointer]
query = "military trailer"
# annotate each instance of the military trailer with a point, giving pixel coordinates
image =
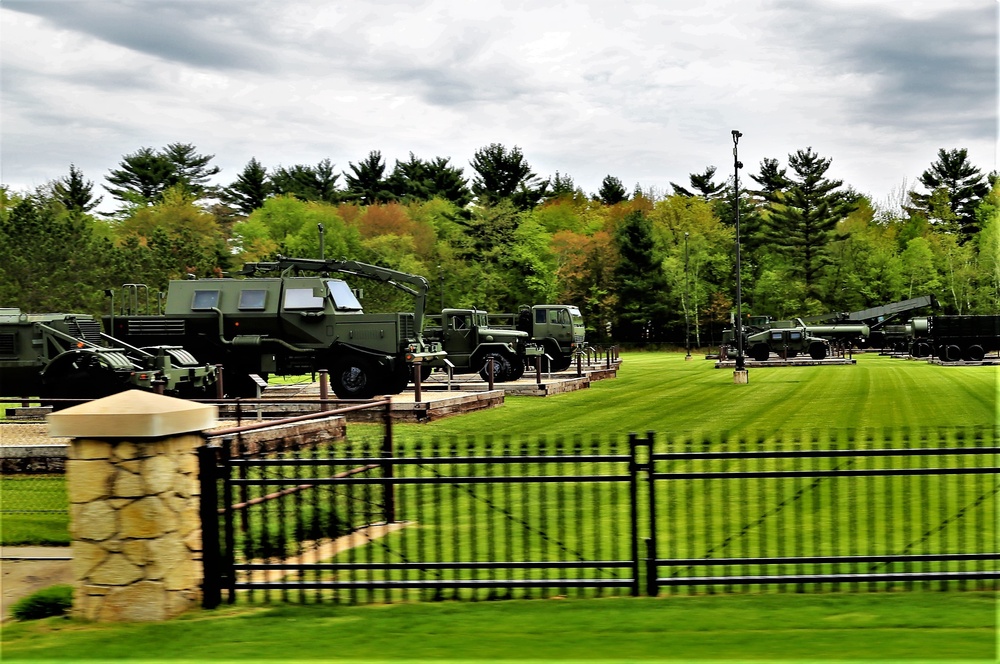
(472, 345)
(290, 317)
(66, 356)
(786, 342)
(557, 328)
(954, 338)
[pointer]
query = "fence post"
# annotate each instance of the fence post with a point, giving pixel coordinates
(633, 494)
(388, 486)
(211, 558)
(324, 388)
(652, 571)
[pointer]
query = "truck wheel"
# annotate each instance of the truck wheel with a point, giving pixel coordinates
(355, 377)
(760, 352)
(516, 367)
(501, 368)
(975, 353)
(951, 353)
(79, 376)
(817, 351)
(401, 377)
(922, 350)
(425, 372)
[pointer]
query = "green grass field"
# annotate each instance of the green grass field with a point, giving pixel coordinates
(916, 627)
(664, 393)
(654, 391)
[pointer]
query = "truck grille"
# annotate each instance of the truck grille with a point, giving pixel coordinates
(88, 329)
(407, 326)
(155, 327)
(6, 344)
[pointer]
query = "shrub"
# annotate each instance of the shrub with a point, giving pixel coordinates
(51, 601)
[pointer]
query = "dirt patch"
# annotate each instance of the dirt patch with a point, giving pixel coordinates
(26, 570)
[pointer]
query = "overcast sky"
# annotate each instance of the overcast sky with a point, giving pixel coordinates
(645, 91)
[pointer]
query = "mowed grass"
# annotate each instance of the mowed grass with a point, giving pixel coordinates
(663, 392)
(916, 626)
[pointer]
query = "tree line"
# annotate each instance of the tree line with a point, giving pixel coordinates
(641, 265)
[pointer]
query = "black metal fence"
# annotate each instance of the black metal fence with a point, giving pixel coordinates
(486, 518)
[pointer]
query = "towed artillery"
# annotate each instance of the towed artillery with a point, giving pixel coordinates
(274, 320)
(66, 356)
(472, 345)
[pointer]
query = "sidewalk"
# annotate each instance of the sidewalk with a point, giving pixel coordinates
(28, 569)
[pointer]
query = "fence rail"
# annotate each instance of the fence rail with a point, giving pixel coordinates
(486, 518)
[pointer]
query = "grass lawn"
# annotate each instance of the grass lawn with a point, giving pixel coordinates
(664, 393)
(918, 626)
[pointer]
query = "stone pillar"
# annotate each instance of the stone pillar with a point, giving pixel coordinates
(133, 486)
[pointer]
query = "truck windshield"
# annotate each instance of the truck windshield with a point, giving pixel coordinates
(343, 296)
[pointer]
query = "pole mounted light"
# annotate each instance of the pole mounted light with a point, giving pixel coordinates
(741, 371)
(687, 300)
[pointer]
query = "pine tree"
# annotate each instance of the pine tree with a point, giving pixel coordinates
(964, 184)
(74, 192)
(250, 189)
(802, 220)
(366, 182)
(641, 285)
(612, 191)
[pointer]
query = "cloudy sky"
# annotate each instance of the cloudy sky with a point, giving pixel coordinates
(647, 91)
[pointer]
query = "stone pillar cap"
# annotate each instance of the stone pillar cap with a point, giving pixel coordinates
(132, 414)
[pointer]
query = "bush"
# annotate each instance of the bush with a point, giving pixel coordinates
(51, 601)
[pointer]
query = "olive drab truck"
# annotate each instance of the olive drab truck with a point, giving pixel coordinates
(786, 342)
(67, 356)
(557, 328)
(472, 345)
(291, 317)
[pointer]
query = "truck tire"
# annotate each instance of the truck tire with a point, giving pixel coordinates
(817, 351)
(78, 375)
(760, 352)
(951, 353)
(516, 367)
(501, 368)
(355, 377)
(975, 353)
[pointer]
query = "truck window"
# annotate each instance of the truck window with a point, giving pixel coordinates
(343, 297)
(253, 300)
(204, 299)
(795, 336)
(302, 298)
(540, 315)
(776, 336)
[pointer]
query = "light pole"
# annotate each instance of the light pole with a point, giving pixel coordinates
(687, 300)
(740, 375)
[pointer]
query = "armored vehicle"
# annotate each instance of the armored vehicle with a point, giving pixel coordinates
(787, 342)
(66, 356)
(274, 319)
(557, 328)
(472, 345)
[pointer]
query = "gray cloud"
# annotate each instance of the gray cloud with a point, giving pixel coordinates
(207, 34)
(937, 73)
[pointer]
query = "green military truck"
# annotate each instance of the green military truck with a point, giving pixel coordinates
(786, 342)
(472, 344)
(290, 317)
(66, 356)
(557, 328)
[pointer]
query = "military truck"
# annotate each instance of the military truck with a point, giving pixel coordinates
(66, 356)
(557, 328)
(787, 342)
(290, 317)
(954, 338)
(472, 345)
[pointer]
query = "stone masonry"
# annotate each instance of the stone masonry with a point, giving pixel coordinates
(134, 505)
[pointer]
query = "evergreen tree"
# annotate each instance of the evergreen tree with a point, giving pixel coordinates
(801, 222)
(504, 174)
(772, 179)
(366, 182)
(963, 184)
(703, 184)
(562, 185)
(307, 183)
(144, 175)
(448, 182)
(74, 192)
(612, 191)
(641, 313)
(250, 189)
